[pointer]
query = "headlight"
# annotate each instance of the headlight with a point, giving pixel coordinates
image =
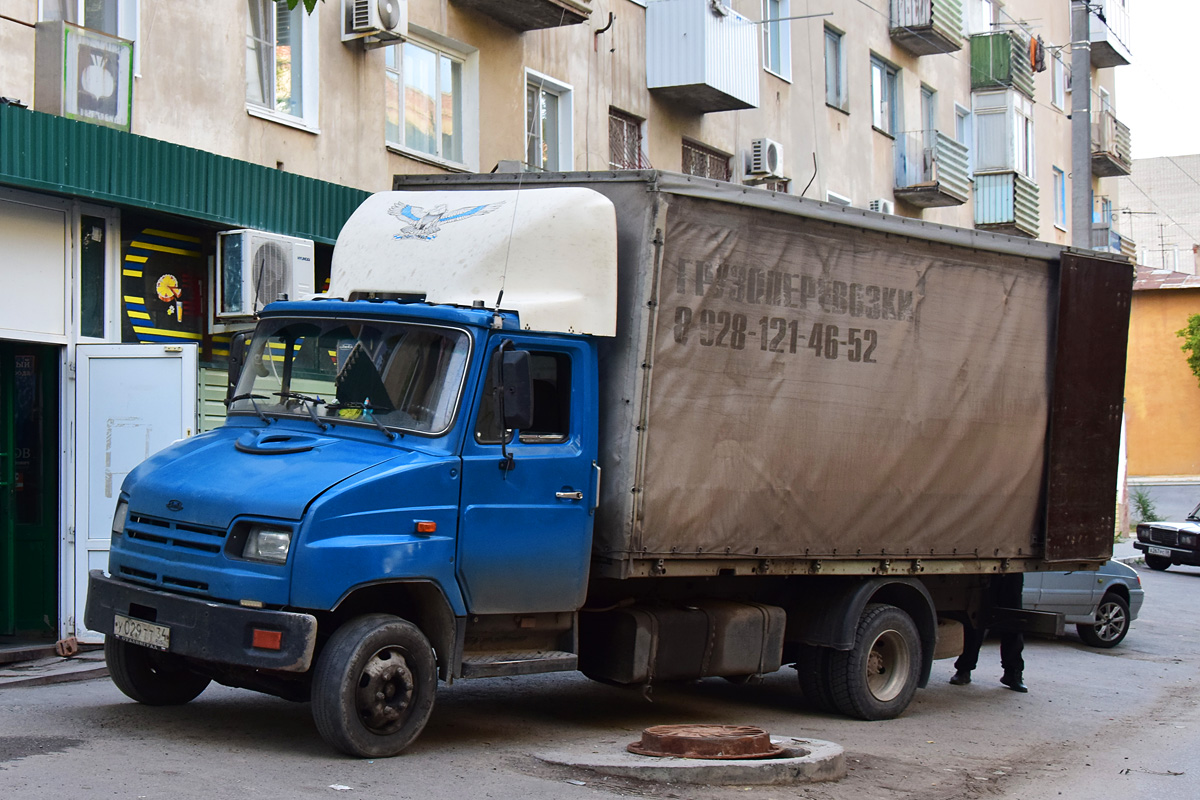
(1187, 540)
(120, 517)
(265, 543)
(1143, 533)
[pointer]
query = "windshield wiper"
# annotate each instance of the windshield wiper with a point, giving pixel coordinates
(254, 405)
(365, 407)
(311, 404)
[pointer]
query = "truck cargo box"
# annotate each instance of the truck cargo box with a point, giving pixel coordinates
(798, 387)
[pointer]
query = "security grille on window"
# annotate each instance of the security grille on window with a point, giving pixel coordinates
(625, 141)
(704, 162)
(275, 57)
(780, 185)
(425, 100)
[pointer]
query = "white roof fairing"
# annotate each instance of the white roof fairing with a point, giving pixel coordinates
(552, 250)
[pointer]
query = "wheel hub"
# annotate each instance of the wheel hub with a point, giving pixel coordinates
(887, 665)
(385, 691)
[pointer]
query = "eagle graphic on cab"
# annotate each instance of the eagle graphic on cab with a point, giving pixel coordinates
(422, 224)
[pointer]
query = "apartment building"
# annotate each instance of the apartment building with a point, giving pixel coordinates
(157, 156)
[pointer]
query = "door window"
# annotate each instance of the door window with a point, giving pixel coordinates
(551, 373)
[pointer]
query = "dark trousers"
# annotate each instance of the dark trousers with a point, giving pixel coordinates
(1005, 591)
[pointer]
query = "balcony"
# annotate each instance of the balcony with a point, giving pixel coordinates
(1108, 32)
(531, 15)
(702, 55)
(1104, 237)
(1006, 202)
(1001, 60)
(931, 170)
(1112, 152)
(927, 27)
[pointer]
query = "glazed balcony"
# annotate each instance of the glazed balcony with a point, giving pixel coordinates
(931, 170)
(927, 27)
(531, 15)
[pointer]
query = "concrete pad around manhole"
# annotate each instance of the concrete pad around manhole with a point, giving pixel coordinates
(813, 760)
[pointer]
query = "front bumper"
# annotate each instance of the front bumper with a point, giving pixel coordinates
(203, 629)
(1178, 555)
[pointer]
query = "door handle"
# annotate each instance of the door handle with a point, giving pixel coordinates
(569, 495)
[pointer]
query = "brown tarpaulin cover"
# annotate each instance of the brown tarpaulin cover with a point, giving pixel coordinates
(822, 390)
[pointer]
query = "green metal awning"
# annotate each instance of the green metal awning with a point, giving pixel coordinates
(46, 153)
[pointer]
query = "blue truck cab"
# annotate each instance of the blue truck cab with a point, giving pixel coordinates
(391, 467)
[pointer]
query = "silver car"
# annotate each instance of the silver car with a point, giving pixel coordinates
(1101, 604)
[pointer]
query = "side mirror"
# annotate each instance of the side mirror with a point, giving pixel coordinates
(516, 389)
(239, 347)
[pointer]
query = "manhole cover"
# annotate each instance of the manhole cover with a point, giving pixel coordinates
(706, 741)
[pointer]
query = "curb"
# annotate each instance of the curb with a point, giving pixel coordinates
(815, 761)
(69, 676)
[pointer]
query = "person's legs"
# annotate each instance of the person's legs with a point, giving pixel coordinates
(972, 641)
(1011, 645)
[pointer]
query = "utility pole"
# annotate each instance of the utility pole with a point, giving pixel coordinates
(1081, 126)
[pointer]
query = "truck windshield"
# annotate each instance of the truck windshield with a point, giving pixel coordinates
(367, 372)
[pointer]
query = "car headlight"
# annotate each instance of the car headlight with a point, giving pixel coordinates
(1143, 533)
(120, 517)
(267, 543)
(1187, 540)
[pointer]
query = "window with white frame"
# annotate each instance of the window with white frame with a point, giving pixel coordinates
(1058, 81)
(1060, 198)
(1004, 135)
(281, 62)
(962, 133)
(548, 123)
(777, 38)
(432, 100)
(978, 16)
(885, 96)
(114, 17)
(835, 69)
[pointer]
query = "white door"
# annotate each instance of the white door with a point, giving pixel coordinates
(131, 401)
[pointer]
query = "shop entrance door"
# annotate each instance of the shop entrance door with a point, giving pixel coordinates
(29, 490)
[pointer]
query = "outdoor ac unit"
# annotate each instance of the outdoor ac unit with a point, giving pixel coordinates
(766, 158)
(377, 22)
(883, 206)
(255, 268)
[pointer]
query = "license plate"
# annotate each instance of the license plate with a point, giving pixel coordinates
(142, 632)
(1158, 551)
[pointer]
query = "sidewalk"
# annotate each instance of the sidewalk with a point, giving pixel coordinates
(82, 666)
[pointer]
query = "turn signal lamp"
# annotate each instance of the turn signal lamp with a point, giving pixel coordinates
(267, 640)
(426, 527)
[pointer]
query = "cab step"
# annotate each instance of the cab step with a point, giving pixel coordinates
(490, 665)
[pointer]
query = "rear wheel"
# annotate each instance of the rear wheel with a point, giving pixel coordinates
(151, 677)
(1112, 623)
(1157, 562)
(374, 686)
(877, 678)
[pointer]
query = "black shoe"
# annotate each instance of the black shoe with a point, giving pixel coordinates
(1014, 682)
(961, 678)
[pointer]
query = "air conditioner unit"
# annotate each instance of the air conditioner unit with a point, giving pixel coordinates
(255, 268)
(766, 158)
(376, 22)
(883, 206)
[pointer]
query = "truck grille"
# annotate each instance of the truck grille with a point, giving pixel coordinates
(175, 534)
(1163, 536)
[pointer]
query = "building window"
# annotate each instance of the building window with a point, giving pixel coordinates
(777, 38)
(625, 141)
(548, 138)
(1004, 134)
(835, 70)
(281, 59)
(781, 185)
(885, 97)
(114, 17)
(1058, 82)
(962, 133)
(704, 162)
(979, 16)
(431, 100)
(1060, 199)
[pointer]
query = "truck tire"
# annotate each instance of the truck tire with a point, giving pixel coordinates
(812, 671)
(877, 678)
(1112, 623)
(150, 677)
(1157, 562)
(374, 685)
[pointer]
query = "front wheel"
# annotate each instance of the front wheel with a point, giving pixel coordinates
(374, 686)
(877, 678)
(1112, 623)
(150, 677)
(1157, 562)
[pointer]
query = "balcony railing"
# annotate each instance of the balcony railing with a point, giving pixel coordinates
(926, 27)
(529, 15)
(1001, 60)
(1006, 202)
(1112, 150)
(701, 55)
(931, 169)
(1108, 31)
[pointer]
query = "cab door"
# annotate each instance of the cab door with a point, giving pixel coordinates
(525, 533)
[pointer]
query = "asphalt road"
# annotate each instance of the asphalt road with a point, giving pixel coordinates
(1117, 723)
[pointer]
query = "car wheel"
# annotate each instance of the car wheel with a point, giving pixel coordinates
(1157, 562)
(150, 677)
(876, 679)
(1112, 623)
(374, 686)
